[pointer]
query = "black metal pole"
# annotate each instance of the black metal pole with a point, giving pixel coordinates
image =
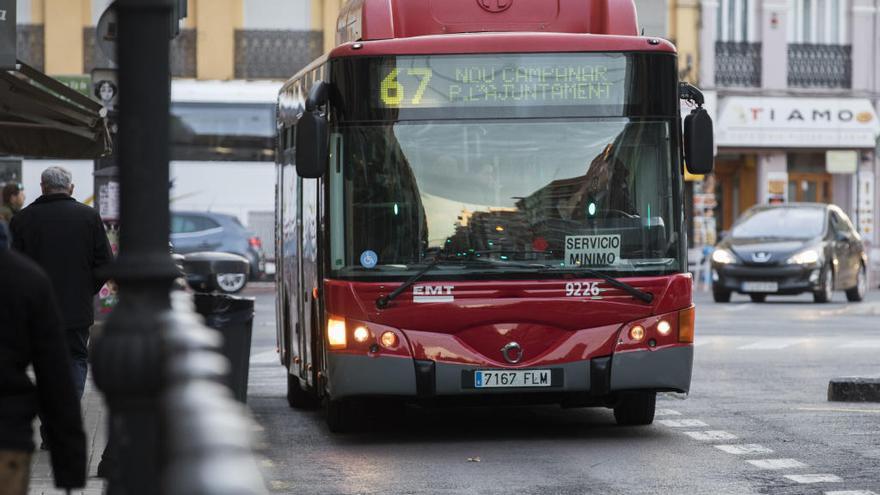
(127, 359)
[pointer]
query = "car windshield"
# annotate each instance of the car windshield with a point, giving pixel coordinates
(515, 195)
(789, 222)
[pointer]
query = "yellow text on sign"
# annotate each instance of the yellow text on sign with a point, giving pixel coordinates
(393, 92)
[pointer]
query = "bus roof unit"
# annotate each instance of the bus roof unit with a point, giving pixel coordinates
(363, 20)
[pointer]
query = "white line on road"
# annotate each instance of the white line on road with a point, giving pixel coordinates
(711, 435)
(749, 448)
(776, 463)
(737, 307)
(839, 409)
(861, 344)
(814, 478)
(851, 492)
(771, 344)
(682, 423)
(264, 357)
(700, 341)
(666, 412)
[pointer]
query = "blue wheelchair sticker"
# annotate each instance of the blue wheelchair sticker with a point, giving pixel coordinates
(369, 259)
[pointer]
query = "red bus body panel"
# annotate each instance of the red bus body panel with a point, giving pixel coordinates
(551, 327)
(385, 19)
(504, 43)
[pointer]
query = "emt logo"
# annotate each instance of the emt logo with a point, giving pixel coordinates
(433, 293)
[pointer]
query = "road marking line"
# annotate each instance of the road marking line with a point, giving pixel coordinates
(861, 344)
(814, 478)
(776, 463)
(737, 307)
(749, 448)
(851, 492)
(704, 341)
(682, 423)
(770, 344)
(276, 485)
(264, 357)
(839, 409)
(711, 435)
(666, 412)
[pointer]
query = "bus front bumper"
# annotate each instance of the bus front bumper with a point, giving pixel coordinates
(664, 369)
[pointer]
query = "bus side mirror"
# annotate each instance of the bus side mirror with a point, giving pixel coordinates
(699, 142)
(312, 136)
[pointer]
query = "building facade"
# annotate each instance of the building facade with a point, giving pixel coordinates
(219, 40)
(796, 83)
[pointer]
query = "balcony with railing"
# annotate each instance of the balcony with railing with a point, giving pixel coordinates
(737, 64)
(819, 66)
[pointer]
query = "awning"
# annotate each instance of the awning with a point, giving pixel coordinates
(40, 117)
(796, 122)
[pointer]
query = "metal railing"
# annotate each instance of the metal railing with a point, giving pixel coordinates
(737, 64)
(274, 54)
(819, 66)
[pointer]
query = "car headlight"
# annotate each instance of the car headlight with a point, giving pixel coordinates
(805, 257)
(722, 256)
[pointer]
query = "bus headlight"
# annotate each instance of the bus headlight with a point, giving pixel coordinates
(336, 336)
(389, 340)
(637, 333)
(805, 257)
(663, 328)
(723, 257)
(361, 334)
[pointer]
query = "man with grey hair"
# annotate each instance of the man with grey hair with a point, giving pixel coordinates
(67, 239)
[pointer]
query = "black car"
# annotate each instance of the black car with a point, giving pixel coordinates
(790, 249)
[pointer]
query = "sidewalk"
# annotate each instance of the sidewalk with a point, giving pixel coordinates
(94, 421)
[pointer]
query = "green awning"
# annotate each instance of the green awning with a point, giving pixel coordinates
(40, 117)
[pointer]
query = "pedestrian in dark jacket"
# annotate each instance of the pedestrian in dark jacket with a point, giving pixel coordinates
(67, 239)
(31, 333)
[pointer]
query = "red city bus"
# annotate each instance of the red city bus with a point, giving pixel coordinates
(480, 201)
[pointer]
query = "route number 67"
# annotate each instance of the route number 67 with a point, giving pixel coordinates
(577, 289)
(393, 92)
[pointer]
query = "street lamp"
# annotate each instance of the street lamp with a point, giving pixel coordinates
(158, 366)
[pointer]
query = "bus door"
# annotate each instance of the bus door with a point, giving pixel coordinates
(288, 267)
(309, 316)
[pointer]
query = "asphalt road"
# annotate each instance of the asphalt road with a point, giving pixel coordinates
(756, 421)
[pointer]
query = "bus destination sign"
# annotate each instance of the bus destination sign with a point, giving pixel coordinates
(501, 80)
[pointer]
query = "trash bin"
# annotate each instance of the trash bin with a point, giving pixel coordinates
(233, 317)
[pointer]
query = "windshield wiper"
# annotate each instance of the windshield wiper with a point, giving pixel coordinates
(639, 294)
(382, 302)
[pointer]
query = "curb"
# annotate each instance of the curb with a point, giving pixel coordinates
(854, 389)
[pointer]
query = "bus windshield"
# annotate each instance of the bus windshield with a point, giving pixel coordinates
(504, 196)
(508, 164)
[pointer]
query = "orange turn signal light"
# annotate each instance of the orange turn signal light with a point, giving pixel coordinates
(686, 325)
(336, 332)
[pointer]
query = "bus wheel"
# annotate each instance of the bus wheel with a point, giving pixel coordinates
(297, 397)
(342, 415)
(635, 408)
